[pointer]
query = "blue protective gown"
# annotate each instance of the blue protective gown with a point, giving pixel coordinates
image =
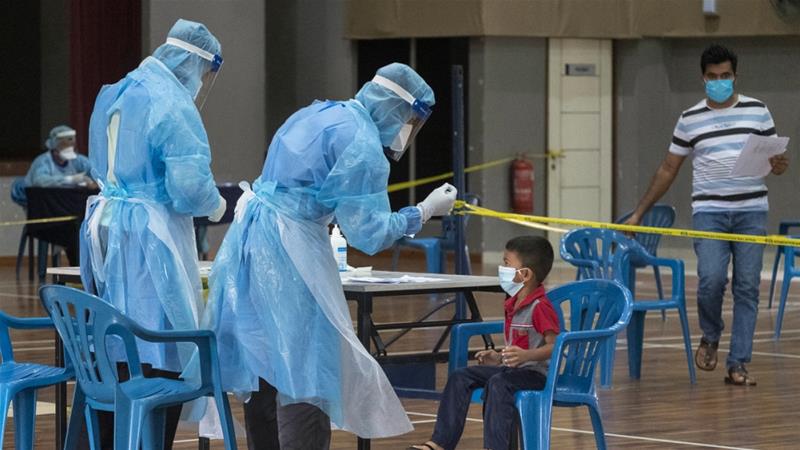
(276, 301)
(137, 241)
(44, 171)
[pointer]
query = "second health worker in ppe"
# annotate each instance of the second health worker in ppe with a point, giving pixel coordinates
(60, 165)
(149, 147)
(276, 300)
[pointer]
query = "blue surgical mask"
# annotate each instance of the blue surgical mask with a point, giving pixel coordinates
(507, 282)
(719, 90)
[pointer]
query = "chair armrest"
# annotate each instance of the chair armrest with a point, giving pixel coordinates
(26, 323)
(459, 340)
(198, 337)
(569, 337)
(677, 268)
(204, 340)
(579, 262)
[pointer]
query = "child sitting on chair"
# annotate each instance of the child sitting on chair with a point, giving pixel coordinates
(531, 326)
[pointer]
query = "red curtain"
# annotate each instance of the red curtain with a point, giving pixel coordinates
(105, 44)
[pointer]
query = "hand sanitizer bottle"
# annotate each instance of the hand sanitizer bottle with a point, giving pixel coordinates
(339, 245)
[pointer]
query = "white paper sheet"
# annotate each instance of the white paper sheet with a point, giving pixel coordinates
(754, 159)
(390, 280)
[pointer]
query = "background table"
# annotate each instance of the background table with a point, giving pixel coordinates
(230, 192)
(47, 202)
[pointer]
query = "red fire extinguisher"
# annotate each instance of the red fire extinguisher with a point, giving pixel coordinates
(522, 179)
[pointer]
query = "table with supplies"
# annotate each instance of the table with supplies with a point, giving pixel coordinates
(412, 374)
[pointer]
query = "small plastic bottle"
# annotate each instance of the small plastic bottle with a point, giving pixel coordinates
(339, 246)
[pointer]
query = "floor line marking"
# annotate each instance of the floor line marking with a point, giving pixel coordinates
(617, 435)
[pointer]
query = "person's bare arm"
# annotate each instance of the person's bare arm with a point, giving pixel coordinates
(659, 185)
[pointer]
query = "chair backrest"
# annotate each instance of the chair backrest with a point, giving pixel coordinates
(600, 307)
(18, 195)
(598, 253)
(84, 321)
(660, 215)
(449, 222)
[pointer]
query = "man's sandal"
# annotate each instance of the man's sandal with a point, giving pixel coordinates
(706, 355)
(738, 376)
(424, 446)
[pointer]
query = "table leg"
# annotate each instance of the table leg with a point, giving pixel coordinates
(364, 319)
(364, 324)
(203, 444)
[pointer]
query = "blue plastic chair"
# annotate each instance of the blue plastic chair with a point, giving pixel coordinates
(599, 309)
(783, 230)
(606, 254)
(85, 324)
(435, 247)
(662, 216)
(790, 270)
(20, 381)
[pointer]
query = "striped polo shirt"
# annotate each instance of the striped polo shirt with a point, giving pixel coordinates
(715, 138)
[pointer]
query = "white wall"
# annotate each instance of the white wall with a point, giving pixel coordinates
(235, 115)
(507, 114)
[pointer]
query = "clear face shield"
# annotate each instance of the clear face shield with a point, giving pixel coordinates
(420, 113)
(207, 82)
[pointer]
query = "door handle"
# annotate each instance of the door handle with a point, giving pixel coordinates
(554, 155)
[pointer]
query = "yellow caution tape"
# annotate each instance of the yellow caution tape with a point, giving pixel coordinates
(538, 226)
(38, 221)
(465, 208)
(445, 176)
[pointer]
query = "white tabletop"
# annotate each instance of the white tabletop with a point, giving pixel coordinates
(443, 281)
(75, 271)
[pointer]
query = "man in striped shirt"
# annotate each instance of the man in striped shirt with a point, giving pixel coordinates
(714, 132)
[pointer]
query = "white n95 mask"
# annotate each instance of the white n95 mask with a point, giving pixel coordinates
(67, 153)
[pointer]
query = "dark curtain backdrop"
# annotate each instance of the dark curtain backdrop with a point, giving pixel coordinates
(105, 44)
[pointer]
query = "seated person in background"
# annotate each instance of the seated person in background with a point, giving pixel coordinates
(531, 326)
(60, 166)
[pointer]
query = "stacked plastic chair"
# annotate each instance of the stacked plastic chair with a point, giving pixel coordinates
(783, 230)
(660, 216)
(605, 254)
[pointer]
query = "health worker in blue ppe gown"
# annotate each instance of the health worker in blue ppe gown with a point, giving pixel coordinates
(150, 150)
(276, 301)
(60, 165)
